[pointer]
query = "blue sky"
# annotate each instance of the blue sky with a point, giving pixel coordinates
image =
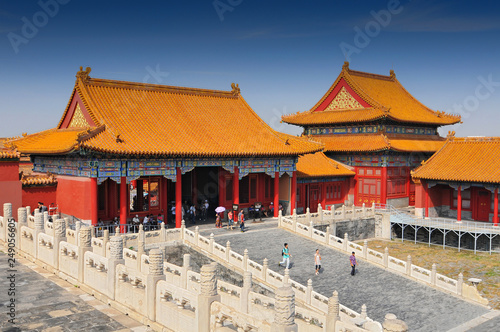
(284, 54)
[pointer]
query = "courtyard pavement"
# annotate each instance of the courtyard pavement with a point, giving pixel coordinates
(45, 302)
(421, 307)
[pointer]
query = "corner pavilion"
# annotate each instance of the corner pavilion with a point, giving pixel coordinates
(371, 123)
(461, 180)
(162, 143)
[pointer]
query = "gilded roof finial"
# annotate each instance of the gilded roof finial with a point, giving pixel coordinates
(345, 66)
(83, 74)
(235, 89)
(392, 74)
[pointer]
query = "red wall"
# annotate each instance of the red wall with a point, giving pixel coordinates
(9, 171)
(10, 186)
(73, 196)
(33, 195)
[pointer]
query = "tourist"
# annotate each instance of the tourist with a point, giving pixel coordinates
(160, 218)
(271, 210)
(145, 222)
(230, 221)
(280, 208)
(218, 223)
(286, 256)
(172, 211)
(241, 219)
(352, 258)
(135, 223)
(317, 261)
(192, 213)
(41, 208)
(204, 210)
(251, 211)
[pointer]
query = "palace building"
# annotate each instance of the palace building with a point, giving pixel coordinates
(321, 180)
(461, 180)
(371, 123)
(124, 148)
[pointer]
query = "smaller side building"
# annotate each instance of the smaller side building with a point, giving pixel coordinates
(321, 180)
(460, 180)
(10, 186)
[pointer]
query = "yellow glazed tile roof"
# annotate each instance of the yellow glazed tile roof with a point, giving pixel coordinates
(377, 142)
(148, 119)
(386, 96)
(464, 159)
(52, 141)
(9, 154)
(319, 165)
(38, 180)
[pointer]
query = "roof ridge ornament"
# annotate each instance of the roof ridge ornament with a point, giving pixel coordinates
(84, 74)
(345, 66)
(392, 74)
(235, 89)
(451, 134)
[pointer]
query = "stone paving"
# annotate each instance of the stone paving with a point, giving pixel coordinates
(421, 307)
(45, 302)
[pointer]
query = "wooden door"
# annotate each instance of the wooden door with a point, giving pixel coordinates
(483, 205)
(314, 199)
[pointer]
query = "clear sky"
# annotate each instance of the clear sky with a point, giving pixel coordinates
(284, 54)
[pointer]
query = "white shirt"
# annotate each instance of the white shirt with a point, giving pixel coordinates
(146, 220)
(173, 209)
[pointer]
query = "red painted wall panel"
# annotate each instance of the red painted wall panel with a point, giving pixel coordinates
(10, 192)
(73, 196)
(9, 171)
(419, 196)
(33, 195)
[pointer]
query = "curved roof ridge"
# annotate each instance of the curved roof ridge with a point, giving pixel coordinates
(162, 88)
(437, 113)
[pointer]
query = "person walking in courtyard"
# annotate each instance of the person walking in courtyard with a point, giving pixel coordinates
(353, 263)
(241, 219)
(317, 261)
(286, 256)
(230, 221)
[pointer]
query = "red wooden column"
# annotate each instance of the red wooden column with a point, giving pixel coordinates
(495, 208)
(383, 186)
(123, 203)
(293, 194)
(164, 198)
(459, 204)
(93, 200)
(178, 199)
(276, 193)
(236, 186)
(426, 190)
(323, 195)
